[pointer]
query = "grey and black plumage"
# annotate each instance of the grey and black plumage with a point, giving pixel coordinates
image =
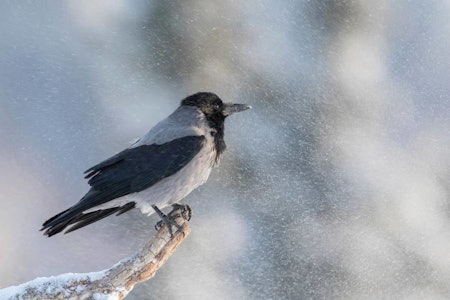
(160, 169)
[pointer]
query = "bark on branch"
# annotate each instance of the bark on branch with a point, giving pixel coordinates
(113, 283)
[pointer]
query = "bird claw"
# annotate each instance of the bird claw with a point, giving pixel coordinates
(179, 210)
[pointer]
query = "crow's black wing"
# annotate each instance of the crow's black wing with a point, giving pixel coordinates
(136, 169)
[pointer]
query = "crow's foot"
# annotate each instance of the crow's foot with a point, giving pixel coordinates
(179, 210)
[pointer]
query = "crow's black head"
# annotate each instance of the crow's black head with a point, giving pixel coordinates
(209, 103)
(215, 112)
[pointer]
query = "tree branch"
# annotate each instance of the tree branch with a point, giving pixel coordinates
(116, 282)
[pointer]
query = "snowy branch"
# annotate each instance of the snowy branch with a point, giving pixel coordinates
(114, 283)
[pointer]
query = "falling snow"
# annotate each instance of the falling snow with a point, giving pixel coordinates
(334, 186)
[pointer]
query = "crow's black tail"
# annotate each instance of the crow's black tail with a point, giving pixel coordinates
(72, 215)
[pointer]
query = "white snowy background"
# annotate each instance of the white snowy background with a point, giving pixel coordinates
(335, 185)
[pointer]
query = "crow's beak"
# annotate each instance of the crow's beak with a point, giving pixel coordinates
(230, 108)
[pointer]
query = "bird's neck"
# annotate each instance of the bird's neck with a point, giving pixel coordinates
(216, 122)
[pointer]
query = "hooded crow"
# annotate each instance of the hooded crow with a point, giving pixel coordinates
(164, 166)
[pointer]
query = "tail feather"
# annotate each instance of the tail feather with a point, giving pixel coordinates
(93, 217)
(53, 218)
(72, 215)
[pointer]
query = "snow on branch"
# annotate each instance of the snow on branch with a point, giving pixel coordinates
(116, 282)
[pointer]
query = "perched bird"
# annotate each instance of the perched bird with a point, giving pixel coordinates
(160, 169)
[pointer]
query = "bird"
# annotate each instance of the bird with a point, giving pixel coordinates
(171, 160)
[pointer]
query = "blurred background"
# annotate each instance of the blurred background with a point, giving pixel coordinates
(334, 186)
